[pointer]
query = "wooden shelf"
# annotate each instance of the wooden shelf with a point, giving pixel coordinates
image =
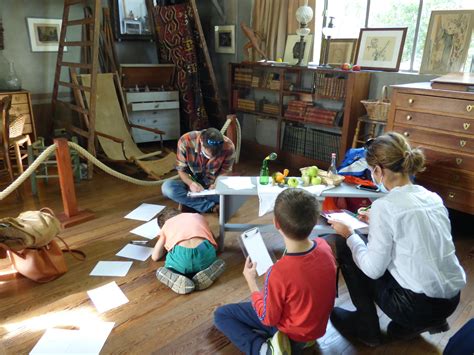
(254, 88)
(257, 113)
(354, 85)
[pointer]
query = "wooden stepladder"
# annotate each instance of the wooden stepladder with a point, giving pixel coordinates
(86, 65)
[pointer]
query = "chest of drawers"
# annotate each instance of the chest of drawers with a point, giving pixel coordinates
(21, 103)
(154, 109)
(441, 122)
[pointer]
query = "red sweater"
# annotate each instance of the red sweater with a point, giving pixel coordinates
(299, 293)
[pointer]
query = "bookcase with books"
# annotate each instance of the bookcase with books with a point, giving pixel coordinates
(313, 111)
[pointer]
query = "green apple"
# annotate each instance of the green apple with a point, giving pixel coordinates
(316, 180)
(313, 171)
(293, 182)
(306, 180)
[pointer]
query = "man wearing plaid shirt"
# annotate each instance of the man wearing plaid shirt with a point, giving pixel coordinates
(202, 156)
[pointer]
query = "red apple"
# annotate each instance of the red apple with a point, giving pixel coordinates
(356, 68)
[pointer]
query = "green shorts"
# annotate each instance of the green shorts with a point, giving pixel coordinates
(191, 260)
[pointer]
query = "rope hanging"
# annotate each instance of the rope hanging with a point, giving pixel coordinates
(52, 148)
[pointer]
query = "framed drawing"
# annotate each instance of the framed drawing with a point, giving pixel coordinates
(380, 48)
(292, 49)
(44, 34)
(130, 20)
(224, 38)
(447, 41)
(341, 50)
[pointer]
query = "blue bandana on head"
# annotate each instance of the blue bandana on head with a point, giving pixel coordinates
(214, 143)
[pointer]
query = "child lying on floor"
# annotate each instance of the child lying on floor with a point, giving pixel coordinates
(191, 263)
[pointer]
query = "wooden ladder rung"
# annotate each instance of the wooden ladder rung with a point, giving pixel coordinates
(76, 65)
(74, 2)
(73, 107)
(75, 86)
(83, 21)
(78, 43)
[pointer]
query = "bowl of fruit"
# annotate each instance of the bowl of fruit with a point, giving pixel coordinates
(312, 175)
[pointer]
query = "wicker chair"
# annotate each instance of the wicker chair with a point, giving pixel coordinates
(18, 141)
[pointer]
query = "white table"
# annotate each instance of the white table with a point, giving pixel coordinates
(231, 200)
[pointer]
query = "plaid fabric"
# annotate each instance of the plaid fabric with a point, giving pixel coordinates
(191, 160)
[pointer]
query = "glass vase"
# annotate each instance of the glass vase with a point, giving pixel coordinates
(9, 80)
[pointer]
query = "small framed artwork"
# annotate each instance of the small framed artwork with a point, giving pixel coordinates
(224, 38)
(341, 50)
(380, 48)
(447, 41)
(131, 20)
(292, 49)
(44, 34)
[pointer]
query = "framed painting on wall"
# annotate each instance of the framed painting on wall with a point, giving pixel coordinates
(447, 41)
(44, 34)
(341, 50)
(224, 38)
(292, 49)
(380, 48)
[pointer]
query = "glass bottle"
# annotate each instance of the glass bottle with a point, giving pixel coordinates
(264, 174)
(332, 168)
(13, 81)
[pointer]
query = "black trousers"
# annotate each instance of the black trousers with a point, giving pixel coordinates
(403, 306)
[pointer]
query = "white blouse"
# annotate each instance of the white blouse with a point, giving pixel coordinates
(410, 236)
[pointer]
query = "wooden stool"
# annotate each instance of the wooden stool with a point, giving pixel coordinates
(366, 129)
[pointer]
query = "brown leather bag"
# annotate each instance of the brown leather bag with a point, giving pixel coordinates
(42, 264)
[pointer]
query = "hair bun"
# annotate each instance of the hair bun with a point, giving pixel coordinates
(414, 161)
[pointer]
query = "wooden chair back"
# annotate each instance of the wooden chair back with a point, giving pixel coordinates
(5, 105)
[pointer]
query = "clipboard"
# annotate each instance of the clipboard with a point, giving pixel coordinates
(253, 245)
(346, 217)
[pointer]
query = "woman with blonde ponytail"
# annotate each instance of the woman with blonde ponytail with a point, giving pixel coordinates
(407, 265)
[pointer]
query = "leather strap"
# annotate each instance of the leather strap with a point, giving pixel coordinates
(72, 251)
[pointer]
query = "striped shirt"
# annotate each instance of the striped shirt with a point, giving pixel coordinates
(191, 160)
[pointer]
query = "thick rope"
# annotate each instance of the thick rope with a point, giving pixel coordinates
(50, 150)
(239, 136)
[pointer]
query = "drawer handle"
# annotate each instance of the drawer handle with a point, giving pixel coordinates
(410, 101)
(462, 143)
(459, 161)
(469, 108)
(466, 126)
(451, 195)
(409, 117)
(406, 134)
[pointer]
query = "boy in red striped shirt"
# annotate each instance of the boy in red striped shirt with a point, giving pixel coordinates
(293, 309)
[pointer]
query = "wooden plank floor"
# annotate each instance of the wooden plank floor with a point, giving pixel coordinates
(156, 320)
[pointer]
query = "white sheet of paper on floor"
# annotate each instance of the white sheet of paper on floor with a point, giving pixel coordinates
(351, 221)
(136, 252)
(238, 182)
(149, 230)
(107, 297)
(88, 340)
(145, 212)
(210, 192)
(111, 268)
(257, 250)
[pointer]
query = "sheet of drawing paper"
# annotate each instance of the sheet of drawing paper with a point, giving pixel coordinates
(145, 212)
(111, 268)
(257, 250)
(107, 297)
(136, 252)
(149, 230)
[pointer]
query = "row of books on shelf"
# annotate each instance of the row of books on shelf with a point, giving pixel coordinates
(245, 104)
(332, 86)
(309, 142)
(304, 111)
(243, 76)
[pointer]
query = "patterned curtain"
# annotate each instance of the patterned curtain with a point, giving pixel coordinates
(179, 43)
